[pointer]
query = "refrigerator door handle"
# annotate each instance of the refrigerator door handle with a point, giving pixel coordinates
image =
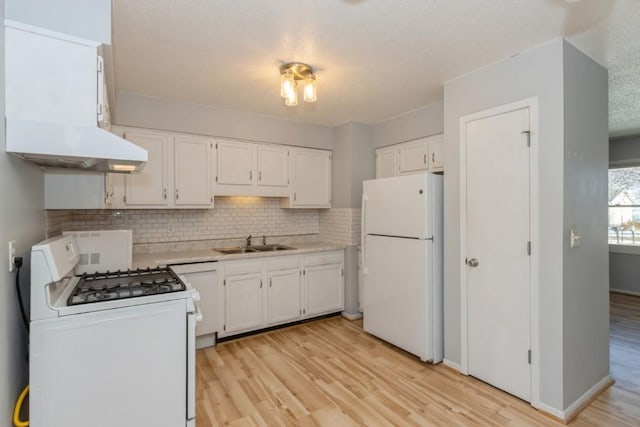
(363, 223)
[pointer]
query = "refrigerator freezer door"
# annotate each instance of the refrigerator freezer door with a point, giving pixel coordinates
(397, 206)
(398, 293)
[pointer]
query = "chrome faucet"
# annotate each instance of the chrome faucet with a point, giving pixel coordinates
(249, 240)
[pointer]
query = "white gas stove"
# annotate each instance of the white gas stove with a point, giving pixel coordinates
(125, 337)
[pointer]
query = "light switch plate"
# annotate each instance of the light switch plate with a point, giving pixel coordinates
(575, 239)
(12, 254)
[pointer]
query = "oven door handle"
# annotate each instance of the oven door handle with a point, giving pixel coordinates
(192, 318)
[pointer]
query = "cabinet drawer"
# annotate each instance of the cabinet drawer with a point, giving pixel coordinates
(283, 263)
(334, 257)
(242, 267)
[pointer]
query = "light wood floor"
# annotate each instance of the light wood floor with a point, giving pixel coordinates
(331, 373)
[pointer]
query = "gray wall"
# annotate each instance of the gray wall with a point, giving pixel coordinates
(585, 268)
(154, 113)
(21, 219)
(537, 72)
(625, 151)
(424, 121)
(88, 19)
(353, 161)
(624, 272)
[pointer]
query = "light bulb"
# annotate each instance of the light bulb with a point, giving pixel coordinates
(287, 84)
(291, 99)
(310, 89)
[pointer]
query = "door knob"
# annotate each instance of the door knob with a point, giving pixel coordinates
(472, 262)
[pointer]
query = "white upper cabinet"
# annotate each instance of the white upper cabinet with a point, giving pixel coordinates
(248, 169)
(193, 167)
(412, 156)
(310, 179)
(420, 155)
(149, 187)
(179, 173)
(273, 166)
(386, 162)
(235, 164)
(436, 153)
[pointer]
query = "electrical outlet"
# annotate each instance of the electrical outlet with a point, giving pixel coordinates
(12, 254)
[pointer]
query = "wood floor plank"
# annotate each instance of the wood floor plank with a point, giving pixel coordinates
(331, 373)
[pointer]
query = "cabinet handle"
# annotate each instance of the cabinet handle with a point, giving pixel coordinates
(425, 158)
(177, 194)
(260, 283)
(260, 176)
(294, 196)
(250, 175)
(164, 193)
(269, 281)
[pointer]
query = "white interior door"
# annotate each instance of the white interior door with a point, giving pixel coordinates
(498, 235)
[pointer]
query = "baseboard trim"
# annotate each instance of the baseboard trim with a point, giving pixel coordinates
(351, 316)
(625, 291)
(579, 405)
(452, 365)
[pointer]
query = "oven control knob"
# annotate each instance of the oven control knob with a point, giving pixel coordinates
(196, 296)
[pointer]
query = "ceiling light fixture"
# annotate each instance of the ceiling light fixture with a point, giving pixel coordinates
(289, 75)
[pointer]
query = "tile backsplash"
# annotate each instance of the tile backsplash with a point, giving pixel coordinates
(340, 225)
(232, 217)
(229, 223)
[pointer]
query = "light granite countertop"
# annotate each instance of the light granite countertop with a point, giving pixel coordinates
(150, 260)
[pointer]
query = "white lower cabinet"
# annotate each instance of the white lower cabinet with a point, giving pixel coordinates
(264, 292)
(324, 283)
(243, 302)
(284, 296)
(203, 277)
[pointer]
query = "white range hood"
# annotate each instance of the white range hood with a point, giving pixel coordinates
(58, 146)
(57, 114)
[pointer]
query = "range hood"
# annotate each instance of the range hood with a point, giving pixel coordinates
(57, 112)
(59, 146)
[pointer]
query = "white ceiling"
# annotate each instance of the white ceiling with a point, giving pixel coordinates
(374, 59)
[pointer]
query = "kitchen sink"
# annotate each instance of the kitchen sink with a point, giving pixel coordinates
(267, 248)
(253, 249)
(238, 250)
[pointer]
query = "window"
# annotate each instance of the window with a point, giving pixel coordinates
(624, 206)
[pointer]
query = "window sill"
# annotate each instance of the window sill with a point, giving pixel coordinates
(624, 249)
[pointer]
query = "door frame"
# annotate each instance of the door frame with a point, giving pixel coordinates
(534, 215)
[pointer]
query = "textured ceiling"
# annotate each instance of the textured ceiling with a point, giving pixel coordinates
(374, 59)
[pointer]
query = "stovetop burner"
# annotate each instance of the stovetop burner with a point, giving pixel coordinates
(124, 284)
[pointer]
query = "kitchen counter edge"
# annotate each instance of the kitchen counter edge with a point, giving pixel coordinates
(162, 259)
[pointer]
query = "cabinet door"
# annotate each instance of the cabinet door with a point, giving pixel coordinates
(243, 302)
(413, 156)
(193, 160)
(311, 178)
(235, 163)
(70, 190)
(284, 295)
(273, 166)
(436, 158)
(386, 162)
(149, 187)
(324, 289)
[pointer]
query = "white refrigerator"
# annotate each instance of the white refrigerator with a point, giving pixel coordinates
(402, 261)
